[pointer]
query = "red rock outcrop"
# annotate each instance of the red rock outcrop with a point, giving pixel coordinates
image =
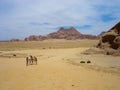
(69, 34)
(14, 40)
(62, 33)
(35, 38)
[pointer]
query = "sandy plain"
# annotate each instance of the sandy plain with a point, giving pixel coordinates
(58, 67)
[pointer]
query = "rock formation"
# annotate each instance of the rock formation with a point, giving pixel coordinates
(35, 38)
(62, 33)
(110, 41)
(69, 34)
(14, 40)
(111, 38)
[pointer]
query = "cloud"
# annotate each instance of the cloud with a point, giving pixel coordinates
(77, 27)
(43, 16)
(84, 27)
(39, 24)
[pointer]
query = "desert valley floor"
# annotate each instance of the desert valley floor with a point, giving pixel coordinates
(57, 68)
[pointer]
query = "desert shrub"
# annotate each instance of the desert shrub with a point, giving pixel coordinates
(72, 85)
(43, 48)
(82, 61)
(88, 61)
(14, 55)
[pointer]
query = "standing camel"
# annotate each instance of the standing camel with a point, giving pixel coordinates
(35, 59)
(30, 60)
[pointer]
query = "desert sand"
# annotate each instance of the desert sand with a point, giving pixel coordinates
(58, 69)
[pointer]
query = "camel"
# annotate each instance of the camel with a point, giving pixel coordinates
(30, 60)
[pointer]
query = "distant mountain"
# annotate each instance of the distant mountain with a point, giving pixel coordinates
(35, 38)
(69, 34)
(62, 33)
(14, 40)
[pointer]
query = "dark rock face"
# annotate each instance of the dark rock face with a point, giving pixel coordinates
(62, 33)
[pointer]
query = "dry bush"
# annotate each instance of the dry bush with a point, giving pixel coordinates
(82, 61)
(88, 61)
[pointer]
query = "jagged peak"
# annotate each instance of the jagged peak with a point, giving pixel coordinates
(71, 29)
(61, 29)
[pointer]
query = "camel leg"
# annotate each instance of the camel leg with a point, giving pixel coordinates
(32, 61)
(36, 62)
(26, 62)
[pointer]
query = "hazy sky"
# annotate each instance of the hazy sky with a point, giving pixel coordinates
(21, 18)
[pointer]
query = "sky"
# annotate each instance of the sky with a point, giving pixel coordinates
(22, 18)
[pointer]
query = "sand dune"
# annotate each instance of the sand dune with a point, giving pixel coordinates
(58, 69)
